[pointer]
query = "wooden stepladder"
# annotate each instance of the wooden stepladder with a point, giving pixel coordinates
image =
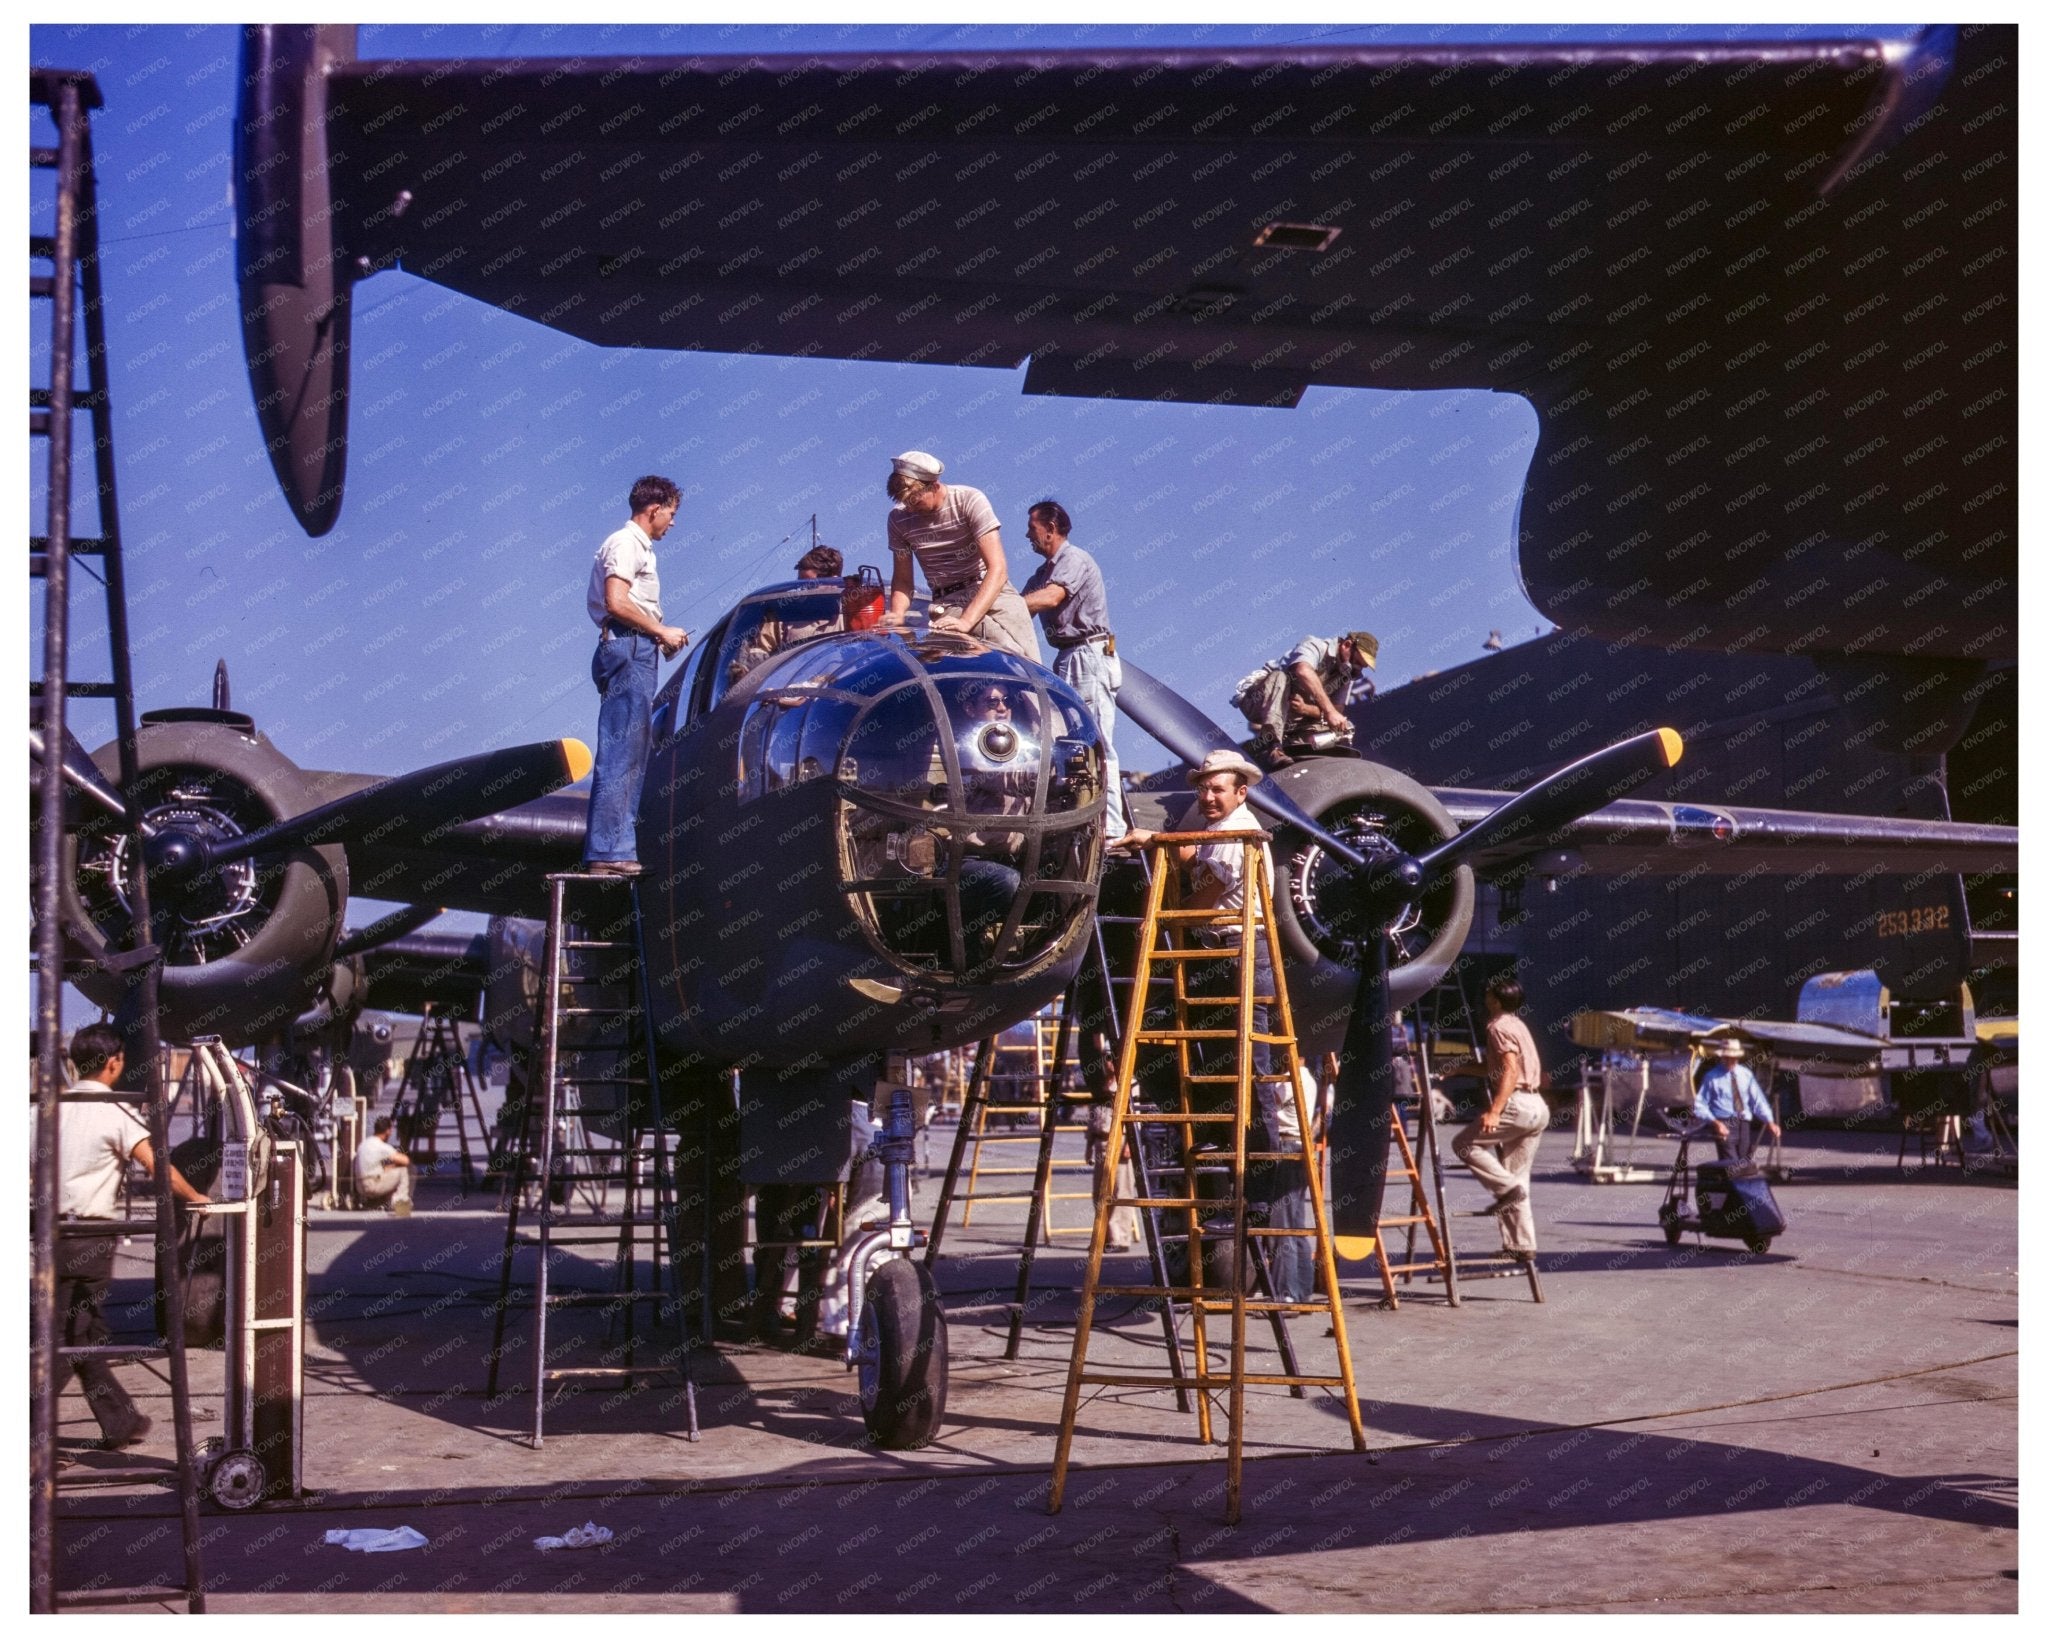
(1214, 1144)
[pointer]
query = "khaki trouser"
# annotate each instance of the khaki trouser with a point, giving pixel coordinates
(1007, 625)
(1522, 1125)
(393, 1183)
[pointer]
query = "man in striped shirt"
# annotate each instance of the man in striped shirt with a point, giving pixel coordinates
(953, 533)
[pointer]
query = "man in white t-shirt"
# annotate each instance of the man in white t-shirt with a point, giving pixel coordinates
(96, 1138)
(951, 531)
(384, 1171)
(624, 600)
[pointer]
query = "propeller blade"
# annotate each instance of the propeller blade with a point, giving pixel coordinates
(1361, 1110)
(1190, 735)
(385, 929)
(1571, 793)
(82, 773)
(415, 807)
(1365, 1074)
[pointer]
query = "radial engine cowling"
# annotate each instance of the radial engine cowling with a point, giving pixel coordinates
(247, 944)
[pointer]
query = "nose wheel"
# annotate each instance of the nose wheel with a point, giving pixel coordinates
(899, 1350)
(897, 1345)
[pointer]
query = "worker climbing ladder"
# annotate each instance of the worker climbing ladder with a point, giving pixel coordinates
(1213, 1143)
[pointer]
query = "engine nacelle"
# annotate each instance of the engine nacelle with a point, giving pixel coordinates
(246, 945)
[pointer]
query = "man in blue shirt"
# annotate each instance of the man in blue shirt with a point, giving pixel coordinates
(1730, 1098)
(1067, 596)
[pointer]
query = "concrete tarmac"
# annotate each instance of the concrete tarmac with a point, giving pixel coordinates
(1830, 1427)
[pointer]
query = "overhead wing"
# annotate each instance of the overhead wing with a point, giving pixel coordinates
(1735, 280)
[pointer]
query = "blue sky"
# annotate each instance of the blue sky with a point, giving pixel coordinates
(444, 613)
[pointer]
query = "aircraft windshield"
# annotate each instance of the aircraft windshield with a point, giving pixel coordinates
(761, 629)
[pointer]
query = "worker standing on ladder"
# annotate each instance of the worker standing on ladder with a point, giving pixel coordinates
(96, 1140)
(1212, 876)
(625, 602)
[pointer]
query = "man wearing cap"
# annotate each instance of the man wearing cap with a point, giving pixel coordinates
(1213, 879)
(625, 602)
(1314, 680)
(1065, 592)
(1731, 1098)
(953, 533)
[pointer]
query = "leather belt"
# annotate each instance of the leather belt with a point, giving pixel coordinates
(1077, 642)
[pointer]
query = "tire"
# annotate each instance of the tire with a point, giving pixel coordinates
(900, 1349)
(1757, 1243)
(268, 980)
(1673, 1229)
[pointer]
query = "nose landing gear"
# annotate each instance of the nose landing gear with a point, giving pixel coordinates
(896, 1338)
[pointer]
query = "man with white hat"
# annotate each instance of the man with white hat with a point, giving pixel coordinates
(952, 531)
(1213, 879)
(1730, 1098)
(1314, 681)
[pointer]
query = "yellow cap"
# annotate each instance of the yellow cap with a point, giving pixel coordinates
(576, 758)
(1674, 747)
(1354, 1248)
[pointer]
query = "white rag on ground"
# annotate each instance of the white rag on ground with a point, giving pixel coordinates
(377, 1541)
(585, 1535)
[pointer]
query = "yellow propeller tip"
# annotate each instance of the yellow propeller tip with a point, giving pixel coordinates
(576, 756)
(1355, 1248)
(1674, 747)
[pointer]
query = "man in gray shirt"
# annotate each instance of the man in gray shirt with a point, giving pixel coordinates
(1066, 594)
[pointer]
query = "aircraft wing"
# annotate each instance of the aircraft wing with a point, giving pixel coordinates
(1732, 278)
(493, 865)
(1658, 1029)
(1665, 838)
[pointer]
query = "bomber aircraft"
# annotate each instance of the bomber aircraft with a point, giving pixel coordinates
(1648, 343)
(844, 859)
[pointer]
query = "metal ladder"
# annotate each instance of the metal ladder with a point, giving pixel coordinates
(593, 971)
(1163, 940)
(72, 287)
(437, 1078)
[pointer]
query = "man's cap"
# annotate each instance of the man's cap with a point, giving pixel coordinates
(915, 463)
(1728, 1048)
(1367, 644)
(1226, 762)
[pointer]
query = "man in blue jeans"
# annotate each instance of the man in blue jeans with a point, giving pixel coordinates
(632, 641)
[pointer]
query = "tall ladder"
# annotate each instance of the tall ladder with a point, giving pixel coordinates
(1167, 937)
(1098, 967)
(72, 287)
(593, 971)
